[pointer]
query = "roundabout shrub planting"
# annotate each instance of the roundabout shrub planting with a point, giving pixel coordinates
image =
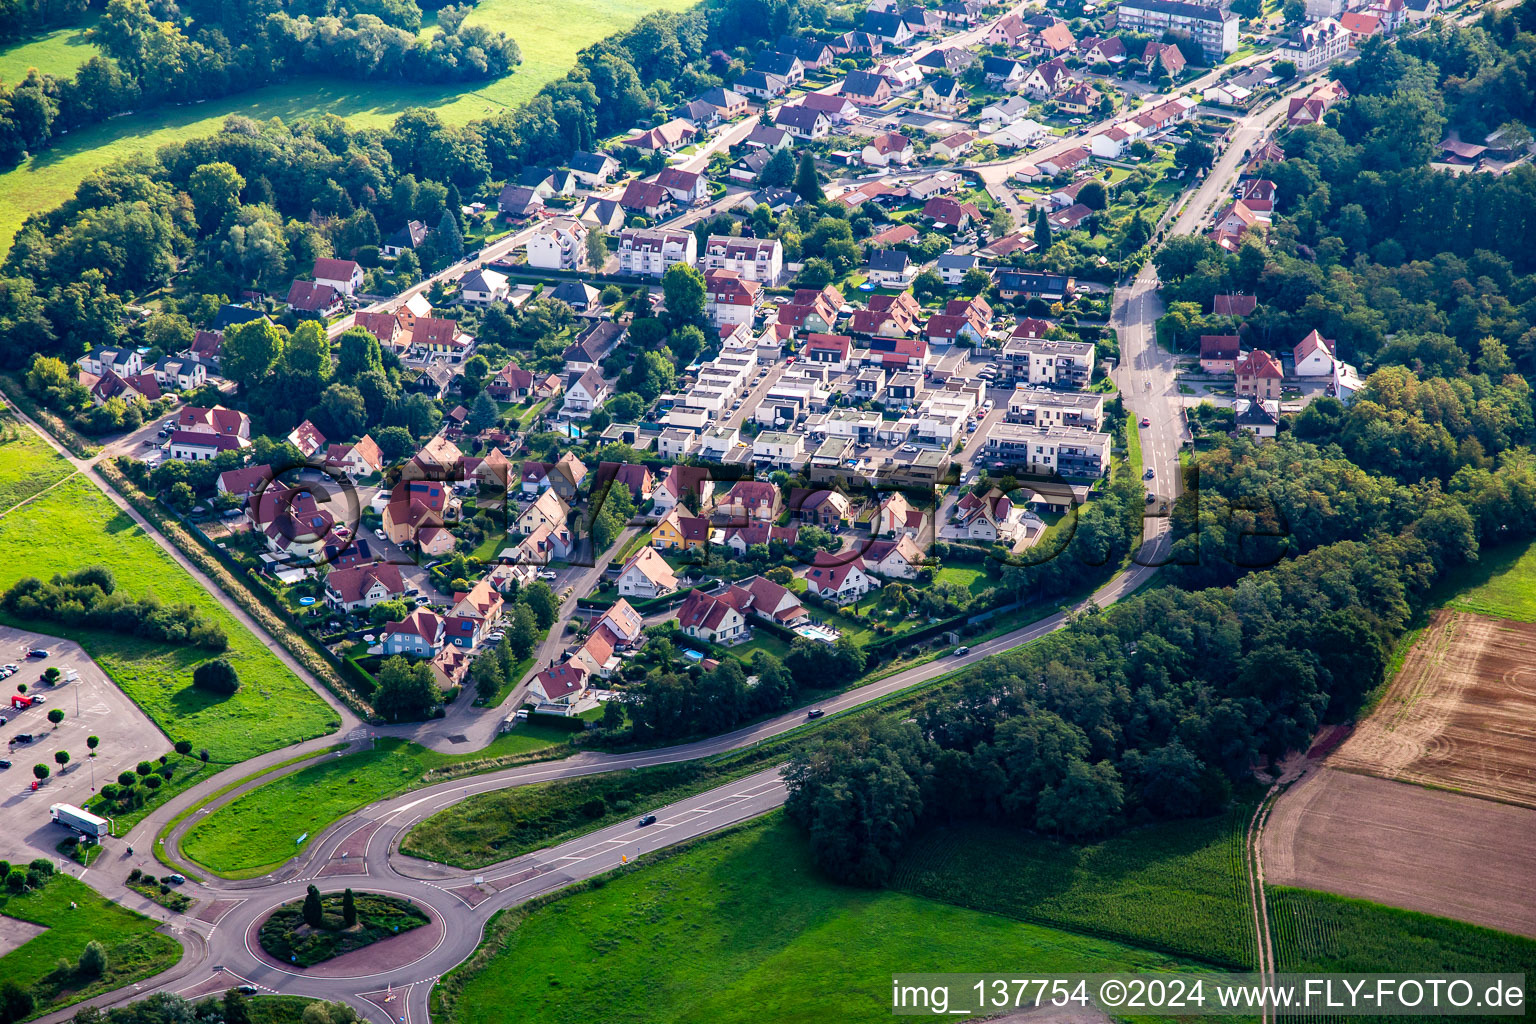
(317, 928)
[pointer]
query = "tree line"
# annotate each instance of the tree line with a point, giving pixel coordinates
(89, 598)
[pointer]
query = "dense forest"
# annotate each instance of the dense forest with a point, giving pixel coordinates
(1298, 563)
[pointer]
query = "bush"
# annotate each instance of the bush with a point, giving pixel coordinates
(216, 676)
(16, 880)
(89, 597)
(16, 1003)
(93, 960)
(183, 747)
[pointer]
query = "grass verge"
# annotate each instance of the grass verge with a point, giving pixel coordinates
(74, 915)
(27, 464)
(259, 830)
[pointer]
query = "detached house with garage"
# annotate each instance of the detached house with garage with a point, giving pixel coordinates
(713, 619)
(363, 586)
(346, 276)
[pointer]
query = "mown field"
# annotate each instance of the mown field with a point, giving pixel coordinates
(743, 927)
(1177, 886)
(261, 828)
(58, 53)
(74, 526)
(27, 463)
(74, 915)
(1502, 583)
(549, 32)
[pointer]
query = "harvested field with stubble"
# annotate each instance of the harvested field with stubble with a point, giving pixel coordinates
(1461, 714)
(1406, 846)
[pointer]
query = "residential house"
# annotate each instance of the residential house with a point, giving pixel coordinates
(1233, 223)
(1070, 160)
(1361, 26)
(1069, 219)
(345, 276)
(622, 622)
(729, 299)
(646, 198)
(764, 599)
(593, 345)
(409, 236)
(1219, 353)
(1047, 79)
(319, 300)
(811, 310)
(1234, 305)
(593, 169)
(518, 202)
(679, 531)
(1014, 284)
(665, 138)
(894, 559)
(1259, 418)
(1314, 356)
(1164, 58)
(988, 518)
(1258, 375)
(306, 437)
(363, 586)
(682, 485)
(421, 634)
(948, 212)
(243, 483)
(741, 539)
(840, 579)
(891, 268)
(1309, 109)
(768, 139)
(945, 95)
(802, 122)
(180, 374)
(291, 522)
(561, 685)
(558, 244)
(946, 60)
(1315, 46)
(433, 336)
(602, 213)
(474, 613)
(355, 461)
(889, 28)
(953, 147)
(784, 65)
(953, 266)
(713, 619)
(482, 286)
(888, 316)
(584, 393)
(683, 186)
(866, 89)
(837, 108)
(761, 84)
(897, 518)
(1101, 50)
(646, 575)
(828, 509)
(829, 350)
(384, 326)
(1079, 99)
(750, 499)
(1009, 31)
(548, 509)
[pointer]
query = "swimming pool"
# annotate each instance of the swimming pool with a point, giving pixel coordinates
(821, 633)
(693, 655)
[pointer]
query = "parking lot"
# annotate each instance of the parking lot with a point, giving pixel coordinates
(92, 706)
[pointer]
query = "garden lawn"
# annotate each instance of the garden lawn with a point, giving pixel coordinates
(742, 927)
(975, 580)
(134, 949)
(74, 526)
(549, 32)
(28, 464)
(264, 827)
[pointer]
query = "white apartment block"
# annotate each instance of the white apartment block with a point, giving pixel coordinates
(1067, 451)
(755, 259)
(1038, 407)
(1213, 27)
(1048, 361)
(653, 253)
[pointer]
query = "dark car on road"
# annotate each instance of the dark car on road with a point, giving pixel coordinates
(814, 713)
(39, 653)
(649, 819)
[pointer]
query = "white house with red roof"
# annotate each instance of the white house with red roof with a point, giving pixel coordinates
(313, 297)
(750, 499)
(711, 618)
(563, 684)
(840, 579)
(761, 597)
(829, 350)
(729, 299)
(346, 276)
(647, 575)
(1314, 356)
(901, 558)
(363, 586)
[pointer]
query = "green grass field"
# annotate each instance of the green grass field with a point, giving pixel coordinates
(134, 949)
(74, 526)
(743, 928)
(1502, 582)
(549, 32)
(27, 464)
(58, 53)
(251, 834)
(1177, 886)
